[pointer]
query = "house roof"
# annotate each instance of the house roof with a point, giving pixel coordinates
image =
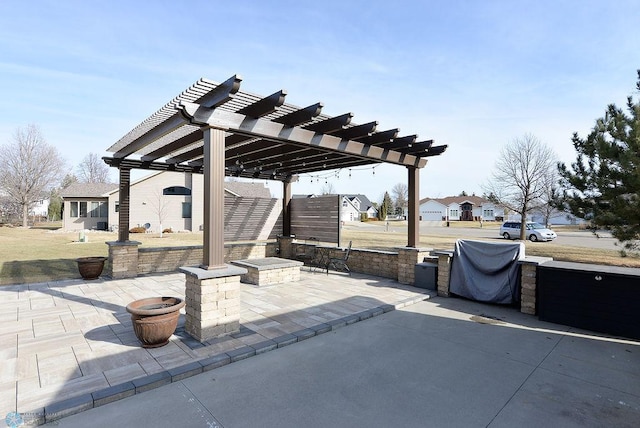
(88, 190)
(365, 203)
(475, 200)
(247, 190)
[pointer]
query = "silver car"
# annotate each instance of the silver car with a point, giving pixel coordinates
(535, 231)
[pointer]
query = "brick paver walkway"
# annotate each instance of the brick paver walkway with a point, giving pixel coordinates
(69, 345)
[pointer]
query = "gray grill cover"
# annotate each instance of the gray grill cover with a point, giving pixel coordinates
(486, 271)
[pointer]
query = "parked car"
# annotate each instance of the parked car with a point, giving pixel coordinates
(535, 231)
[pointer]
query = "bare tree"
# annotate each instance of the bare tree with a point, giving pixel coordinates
(160, 206)
(546, 204)
(29, 168)
(521, 176)
(400, 194)
(93, 170)
(328, 189)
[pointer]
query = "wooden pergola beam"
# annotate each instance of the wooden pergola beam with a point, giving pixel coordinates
(298, 117)
(266, 129)
(265, 105)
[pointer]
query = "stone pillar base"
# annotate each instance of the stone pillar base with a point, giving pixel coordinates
(528, 283)
(123, 259)
(285, 245)
(407, 259)
(444, 268)
(212, 301)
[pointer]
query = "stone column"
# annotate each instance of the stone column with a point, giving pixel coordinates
(444, 268)
(407, 259)
(285, 243)
(528, 281)
(123, 257)
(212, 301)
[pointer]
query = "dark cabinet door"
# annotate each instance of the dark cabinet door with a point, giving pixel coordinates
(600, 301)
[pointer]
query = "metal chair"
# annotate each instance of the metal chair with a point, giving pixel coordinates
(340, 263)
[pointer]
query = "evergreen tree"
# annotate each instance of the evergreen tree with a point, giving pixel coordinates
(386, 207)
(603, 184)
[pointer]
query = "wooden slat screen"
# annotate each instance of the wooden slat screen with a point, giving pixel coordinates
(316, 218)
(245, 219)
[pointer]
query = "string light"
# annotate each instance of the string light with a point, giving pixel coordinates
(336, 173)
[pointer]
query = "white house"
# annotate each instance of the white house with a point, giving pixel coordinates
(459, 208)
(354, 206)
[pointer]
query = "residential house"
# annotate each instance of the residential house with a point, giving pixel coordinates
(85, 206)
(363, 205)
(162, 200)
(459, 208)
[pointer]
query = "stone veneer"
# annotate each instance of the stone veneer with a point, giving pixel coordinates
(407, 259)
(212, 301)
(528, 283)
(123, 259)
(444, 268)
(269, 270)
(128, 260)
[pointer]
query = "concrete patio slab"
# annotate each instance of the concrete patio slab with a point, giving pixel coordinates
(444, 362)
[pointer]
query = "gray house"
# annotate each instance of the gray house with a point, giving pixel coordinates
(158, 201)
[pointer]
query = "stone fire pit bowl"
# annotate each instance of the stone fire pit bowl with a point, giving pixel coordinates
(155, 319)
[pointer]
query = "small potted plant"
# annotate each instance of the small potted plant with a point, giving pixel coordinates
(155, 319)
(90, 267)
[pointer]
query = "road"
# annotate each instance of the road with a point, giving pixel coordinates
(584, 239)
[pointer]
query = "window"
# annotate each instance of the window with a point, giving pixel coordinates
(176, 190)
(73, 212)
(99, 209)
(453, 213)
(83, 209)
(186, 210)
(117, 207)
(95, 209)
(487, 213)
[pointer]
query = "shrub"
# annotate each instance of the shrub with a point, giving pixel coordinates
(138, 229)
(167, 230)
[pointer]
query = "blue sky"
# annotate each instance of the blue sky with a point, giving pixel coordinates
(470, 74)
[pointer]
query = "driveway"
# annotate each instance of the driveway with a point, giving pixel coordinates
(440, 363)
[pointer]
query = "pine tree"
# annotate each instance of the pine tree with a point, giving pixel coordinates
(603, 184)
(386, 207)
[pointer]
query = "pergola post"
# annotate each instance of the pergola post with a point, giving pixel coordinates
(123, 254)
(124, 197)
(414, 207)
(286, 204)
(214, 159)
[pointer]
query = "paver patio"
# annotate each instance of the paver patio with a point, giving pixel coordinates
(70, 345)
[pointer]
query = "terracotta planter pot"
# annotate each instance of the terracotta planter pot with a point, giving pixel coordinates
(90, 267)
(155, 319)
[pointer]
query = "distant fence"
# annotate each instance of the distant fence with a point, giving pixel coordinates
(317, 217)
(252, 219)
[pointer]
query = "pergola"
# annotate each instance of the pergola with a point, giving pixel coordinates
(218, 130)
